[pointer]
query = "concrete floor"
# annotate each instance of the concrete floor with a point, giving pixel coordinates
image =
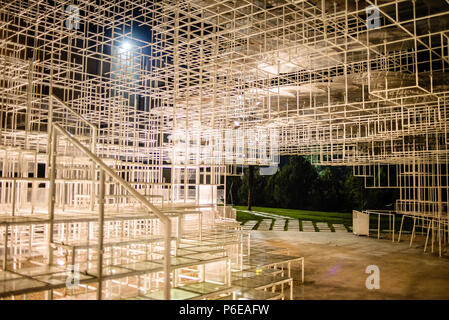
(335, 265)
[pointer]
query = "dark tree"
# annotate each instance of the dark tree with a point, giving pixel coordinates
(300, 185)
(250, 185)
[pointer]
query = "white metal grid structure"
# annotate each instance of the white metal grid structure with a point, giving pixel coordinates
(120, 121)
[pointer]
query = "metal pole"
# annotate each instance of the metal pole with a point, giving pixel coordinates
(167, 243)
(378, 226)
(51, 194)
(400, 229)
(14, 196)
(100, 233)
(93, 149)
(5, 249)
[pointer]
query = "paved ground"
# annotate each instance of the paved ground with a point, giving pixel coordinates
(307, 226)
(249, 225)
(323, 226)
(335, 265)
(264, 225)
(279, 225)
(292, 224)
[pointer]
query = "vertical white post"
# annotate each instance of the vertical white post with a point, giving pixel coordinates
(100, 233)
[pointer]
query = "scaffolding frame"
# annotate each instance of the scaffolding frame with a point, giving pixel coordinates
(170, 97)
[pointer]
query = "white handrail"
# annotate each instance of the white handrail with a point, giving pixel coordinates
(93, 146)
(73, 112)
(164, 219)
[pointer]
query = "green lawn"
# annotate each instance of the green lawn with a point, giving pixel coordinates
(245, 216)
(317, 216)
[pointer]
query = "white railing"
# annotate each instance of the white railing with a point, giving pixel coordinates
(93, 146)
(57, 129)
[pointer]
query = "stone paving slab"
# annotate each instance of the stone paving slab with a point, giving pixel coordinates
(264, 225)
(293, 225)
(279, 225)
(339, 227)
(249, 225)
(307, 226)
(323, 227)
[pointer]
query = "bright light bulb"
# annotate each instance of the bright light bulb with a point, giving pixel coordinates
(60, 262)
(126, 46)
